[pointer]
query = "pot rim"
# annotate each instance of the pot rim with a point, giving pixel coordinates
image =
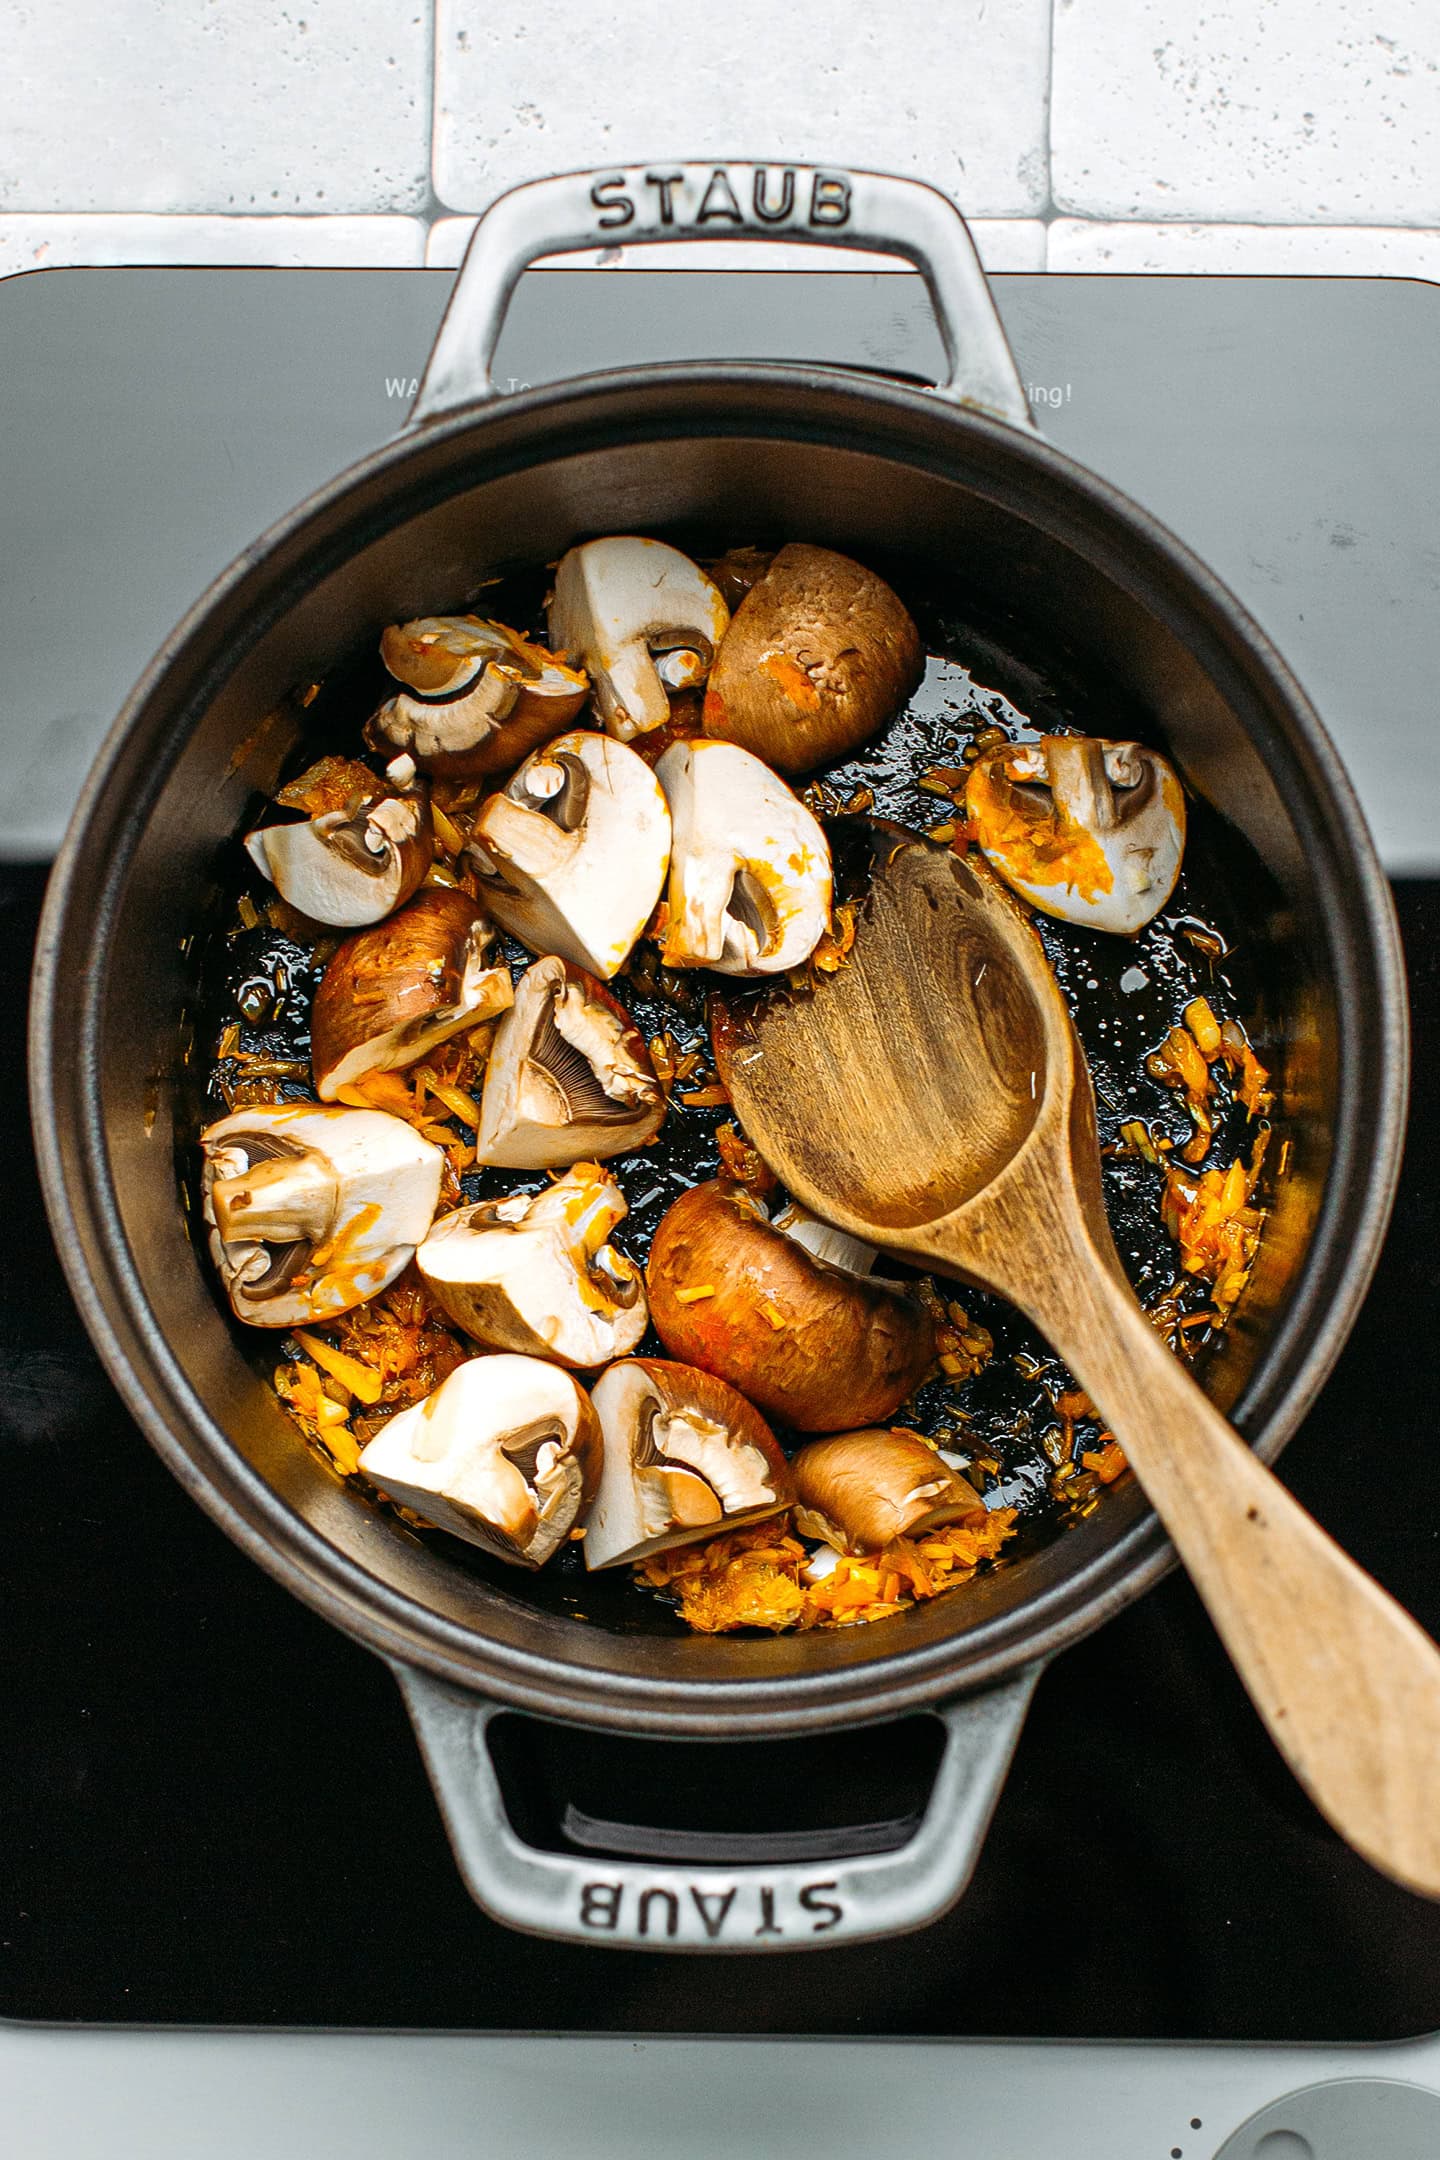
(840, 407)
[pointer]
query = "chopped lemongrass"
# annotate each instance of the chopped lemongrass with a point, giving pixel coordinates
(456, 1101)
(1203, 1026)
(360, 1380)
(449, 835)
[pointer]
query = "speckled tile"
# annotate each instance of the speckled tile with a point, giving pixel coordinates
(1004, 244)
(190, 105)
(358, 243)
(955, 95)
(1295, 111)
(1246, 250)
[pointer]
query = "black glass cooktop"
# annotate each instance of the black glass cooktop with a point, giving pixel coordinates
(212, 1808)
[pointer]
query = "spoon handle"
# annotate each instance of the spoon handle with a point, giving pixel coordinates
(1347, 1683)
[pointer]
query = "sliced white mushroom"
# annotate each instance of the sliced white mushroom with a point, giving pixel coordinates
(312, 1211)
(643, 620)
(478, 697)
(361, 850)
(536, 1273)
(504, 1453)
(574, 852)
(685, 1456)
(750, 872)
(569, 1076)
(394, 992)
(1089, 830)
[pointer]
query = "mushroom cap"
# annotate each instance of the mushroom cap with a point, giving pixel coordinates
(574, 851)
(478, 696)
(394, 992)
(355, 860)
(312, 1211)
(685, 1456)
(643, 619)
(859, 1491)
(750, 875)
(819, 656)
(1085, 829)
(569, 1077)
(504, 1453)
(536, 1274)
(812, 1346)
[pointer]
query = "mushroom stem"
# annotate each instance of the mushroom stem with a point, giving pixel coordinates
(1079, 783)
(276, 1202)
(824, 1242)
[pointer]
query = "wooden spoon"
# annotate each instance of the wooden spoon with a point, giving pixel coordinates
(932, 1096)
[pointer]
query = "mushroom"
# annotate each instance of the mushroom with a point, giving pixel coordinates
(684, 1457)
(750, 875)
(1088, 830)
(569, 1075)
(574, 852)
(505, 1453)
(534, 1273)
(819, 656)
(859, 1491)
(313, 1211)
(812, 1344)
(396, 991)
(643, 619)
(361, 849)
(477, 699)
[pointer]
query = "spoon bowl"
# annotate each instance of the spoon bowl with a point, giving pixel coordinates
(936, 940)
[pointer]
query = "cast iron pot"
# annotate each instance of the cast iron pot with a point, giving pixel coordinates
(955, 478)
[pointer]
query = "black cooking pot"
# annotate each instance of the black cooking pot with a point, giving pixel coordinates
(956, 480)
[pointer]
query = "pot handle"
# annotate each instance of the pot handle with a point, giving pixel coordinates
(822, 206)
(639, 1905)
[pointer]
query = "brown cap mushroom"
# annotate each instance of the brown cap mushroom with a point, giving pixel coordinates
(643, 619)
(814, 1345)
(504, 1453)
(819, 656)
(569, 1076)
(393, 993)
(859, 1491)
(535, 1273)
(574, 851)
(478, 697)
(313, 1211)
(361, 848)
(1089, 830)
(750, 875)
(685, 1457)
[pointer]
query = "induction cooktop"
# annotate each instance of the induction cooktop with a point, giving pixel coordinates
(212, 1810)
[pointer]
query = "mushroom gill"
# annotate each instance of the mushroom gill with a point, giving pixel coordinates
(569, 1076)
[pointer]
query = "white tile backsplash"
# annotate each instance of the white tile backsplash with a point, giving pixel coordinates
(215, 105)
(1292, 111)
(51, 242)
(1262, 137)
(1244, 250)
(953, 92)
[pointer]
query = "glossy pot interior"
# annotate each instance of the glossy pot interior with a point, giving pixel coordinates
(738, 454)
